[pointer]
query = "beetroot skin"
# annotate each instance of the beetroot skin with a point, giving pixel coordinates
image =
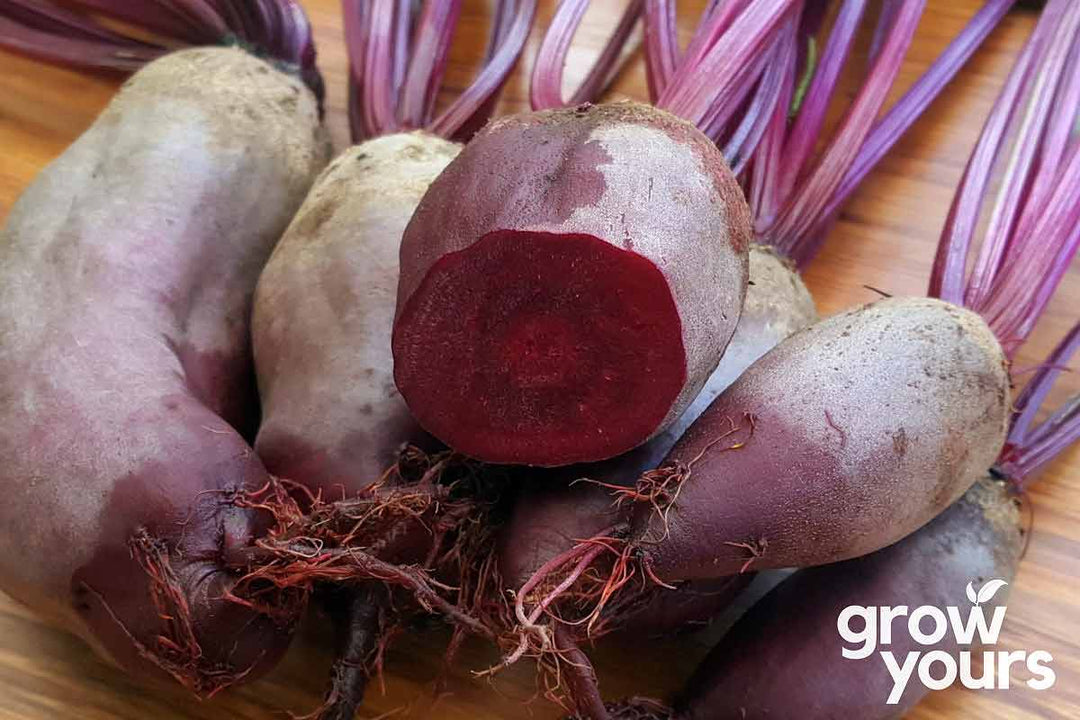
(568, 284)
(126, 275)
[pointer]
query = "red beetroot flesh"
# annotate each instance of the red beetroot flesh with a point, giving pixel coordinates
(560, 330)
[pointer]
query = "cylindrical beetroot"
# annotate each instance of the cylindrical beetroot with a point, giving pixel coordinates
(780, 663)
(783, 659)
(864, 427)
(568, 284)
(126, 276)
(332, 418)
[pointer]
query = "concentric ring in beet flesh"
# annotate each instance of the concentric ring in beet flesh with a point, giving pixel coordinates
(559, 348)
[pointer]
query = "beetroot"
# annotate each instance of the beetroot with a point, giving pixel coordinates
(780, 663)
(574, 308)
(775, 663)
(830, 466)
(332, 418)
(126, 275)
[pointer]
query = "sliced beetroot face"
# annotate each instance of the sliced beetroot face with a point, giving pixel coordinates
(568, 283)
(573, 346)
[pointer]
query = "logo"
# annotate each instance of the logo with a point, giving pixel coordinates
(870, 629)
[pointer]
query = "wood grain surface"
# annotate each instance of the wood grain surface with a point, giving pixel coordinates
(885, 240)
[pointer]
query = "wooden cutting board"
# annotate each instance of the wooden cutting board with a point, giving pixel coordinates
(885, 239)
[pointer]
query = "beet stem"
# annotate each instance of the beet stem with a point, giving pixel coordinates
(1038, 387)
(1029, 449)
(805, 205)
(773, 90)
(427, 66)
(545, 87)
(661, 45)
(1033, 232)
(911, 105)
(395, 76)
(277, 29)
(803, 135)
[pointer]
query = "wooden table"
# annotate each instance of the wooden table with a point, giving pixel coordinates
(885, 239)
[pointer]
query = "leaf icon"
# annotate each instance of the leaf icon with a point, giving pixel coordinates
(990, 589)
(970, 591)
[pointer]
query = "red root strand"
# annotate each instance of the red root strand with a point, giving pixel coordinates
(756, 549)
(312, 543)
(364, 538)
(359, 623)
(584, 690)
(837, 428)
(176, 650)
(571, 579)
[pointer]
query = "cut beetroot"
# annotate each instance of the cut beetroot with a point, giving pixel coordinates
(566, 304)
(574, 348)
